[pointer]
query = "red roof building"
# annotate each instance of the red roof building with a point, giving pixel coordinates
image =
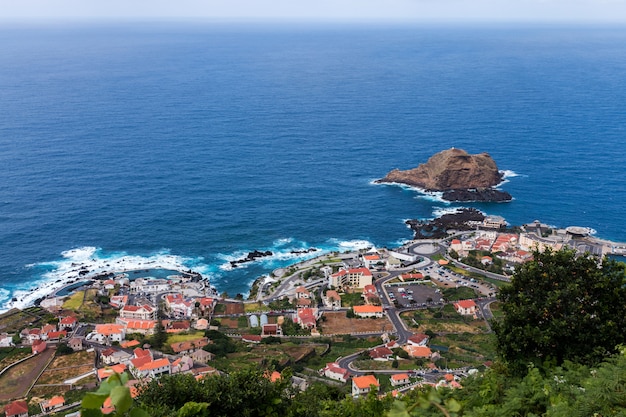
(465, 307)
(39, 346)
(16, 409)
(381, 353)
(418, 339)
(52, 404)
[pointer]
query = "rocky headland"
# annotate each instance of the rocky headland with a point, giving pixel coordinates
(459, 175)
(438, 228)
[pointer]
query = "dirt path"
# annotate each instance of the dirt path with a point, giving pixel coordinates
(16, 381)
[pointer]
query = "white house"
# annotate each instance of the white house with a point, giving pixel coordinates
(111, 332)
(178, 306)
(418, 339)
(399, 379)
(465, 307)
(361, 385)
(149, 285)
(152, 368)
(6, 340)
(336, 372)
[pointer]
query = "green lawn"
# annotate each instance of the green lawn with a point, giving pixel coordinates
(352, 299)
(75, 301)
(183, 337)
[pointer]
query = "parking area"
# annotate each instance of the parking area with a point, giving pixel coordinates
(448, 278)
(409, 294)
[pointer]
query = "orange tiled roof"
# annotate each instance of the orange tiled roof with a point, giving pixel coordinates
(343, 272)
(466, 303)
(104, 373)
(109, 329)
(129, 343)
(418, 351)
(159, 363)
(399, 377)
(141, 353)
(56, 400)
(363, 382)
(333, 294)
(68, 320)
(367, 309)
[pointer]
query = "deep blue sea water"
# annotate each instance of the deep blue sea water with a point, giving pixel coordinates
(197, 142)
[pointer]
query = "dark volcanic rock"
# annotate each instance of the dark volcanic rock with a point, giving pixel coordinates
(438, 228)
(251, 257)
(486, 194)
(461, 176)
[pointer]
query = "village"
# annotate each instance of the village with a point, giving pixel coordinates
(397, 318)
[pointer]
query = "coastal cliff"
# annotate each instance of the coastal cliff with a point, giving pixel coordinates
(459, 175)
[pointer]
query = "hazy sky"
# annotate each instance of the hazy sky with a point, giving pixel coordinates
(381, 10)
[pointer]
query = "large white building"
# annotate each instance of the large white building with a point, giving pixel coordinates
(353, 277)
(149, 285)
(144, 312)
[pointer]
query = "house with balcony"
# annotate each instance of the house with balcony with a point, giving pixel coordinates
(351, 278)
(332, 300)
(143, 312)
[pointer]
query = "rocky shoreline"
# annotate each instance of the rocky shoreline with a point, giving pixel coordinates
(438, 228)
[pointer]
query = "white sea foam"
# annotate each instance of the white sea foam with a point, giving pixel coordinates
(507, 173)
(282, 250)
(85, 263)
(440, 211)
(284, 241)
(350, 245)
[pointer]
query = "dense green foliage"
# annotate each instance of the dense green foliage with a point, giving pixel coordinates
(562, 307)
(568, 390)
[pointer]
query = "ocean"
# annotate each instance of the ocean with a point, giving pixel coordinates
(188, 144)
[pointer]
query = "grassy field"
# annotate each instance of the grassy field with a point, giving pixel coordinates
(254, 307)
(496, 309)
(183, 337)
(266, 354)
(352, 299)
(466, 349)
(495, 282)
(440, 320)
(75, 301)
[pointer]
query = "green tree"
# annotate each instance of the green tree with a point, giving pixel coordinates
(64, 349)
(562, 307)
(159, 337)
(244, 393)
